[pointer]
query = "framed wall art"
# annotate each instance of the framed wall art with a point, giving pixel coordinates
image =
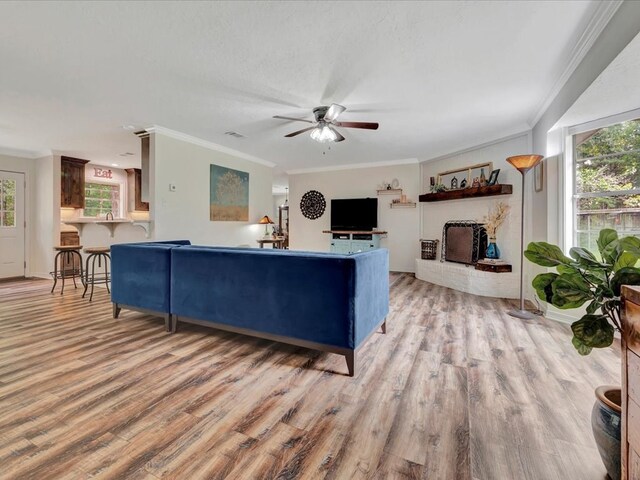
(465, 177)
(538, 177)
(228, 194)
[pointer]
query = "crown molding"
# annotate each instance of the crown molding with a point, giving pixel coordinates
(353, 166)
(520, 132)
(32, 154)
(167, 132)
(601, 17)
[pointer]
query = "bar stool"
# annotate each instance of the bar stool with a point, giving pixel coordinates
(101, 254)
(69, 261)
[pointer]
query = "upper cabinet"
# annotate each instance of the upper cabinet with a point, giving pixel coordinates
(134, 180)
(72, 182)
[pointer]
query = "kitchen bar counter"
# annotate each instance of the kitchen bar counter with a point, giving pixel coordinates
(79, 223)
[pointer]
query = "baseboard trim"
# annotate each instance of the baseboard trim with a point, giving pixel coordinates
(560, 317)
(46, 275)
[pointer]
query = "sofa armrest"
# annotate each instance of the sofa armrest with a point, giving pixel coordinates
(371, 292)
(141, 275)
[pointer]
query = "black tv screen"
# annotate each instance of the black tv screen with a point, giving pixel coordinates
(354, 214)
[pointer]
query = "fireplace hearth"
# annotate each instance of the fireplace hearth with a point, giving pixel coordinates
(463, 241)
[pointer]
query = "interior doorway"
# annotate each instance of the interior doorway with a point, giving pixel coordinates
(12, 224)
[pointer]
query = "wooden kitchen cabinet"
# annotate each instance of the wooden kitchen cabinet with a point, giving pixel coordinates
(134, 180)
(630, 441)
(69, 238)
(72, 182)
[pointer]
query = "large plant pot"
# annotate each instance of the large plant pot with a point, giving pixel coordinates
(605, 422)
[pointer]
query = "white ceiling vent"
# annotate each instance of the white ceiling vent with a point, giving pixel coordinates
(234, 134)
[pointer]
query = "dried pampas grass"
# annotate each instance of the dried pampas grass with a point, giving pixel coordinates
(496, 217)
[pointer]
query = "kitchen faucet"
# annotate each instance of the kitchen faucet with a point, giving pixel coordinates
(109, 213)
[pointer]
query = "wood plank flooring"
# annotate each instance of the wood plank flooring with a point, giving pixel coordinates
(456, 389)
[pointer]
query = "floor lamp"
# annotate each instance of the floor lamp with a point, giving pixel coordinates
(523, 163)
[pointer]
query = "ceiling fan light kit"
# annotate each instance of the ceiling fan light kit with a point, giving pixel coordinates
(324, 134)
(324, 131)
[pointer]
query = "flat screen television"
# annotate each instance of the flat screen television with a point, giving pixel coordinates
(354, 214)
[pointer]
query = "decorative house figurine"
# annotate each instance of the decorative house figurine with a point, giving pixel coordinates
(463, 183)
(476, 182)
(454, 183)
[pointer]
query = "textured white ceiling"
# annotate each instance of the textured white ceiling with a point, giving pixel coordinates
(437, 76)
(616, 90)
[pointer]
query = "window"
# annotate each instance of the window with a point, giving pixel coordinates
(7, 203)
(100, 199)
(606, 182)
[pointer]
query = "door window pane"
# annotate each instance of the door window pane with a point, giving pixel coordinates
(7, 203)
(9, 219)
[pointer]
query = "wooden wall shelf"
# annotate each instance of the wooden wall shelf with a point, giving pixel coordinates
(357, 232)
(390, 191)
(472, 192)
(403, 205)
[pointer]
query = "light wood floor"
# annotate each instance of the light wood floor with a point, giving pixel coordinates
(455, 390)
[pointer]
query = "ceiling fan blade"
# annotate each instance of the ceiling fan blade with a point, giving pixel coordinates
(300, 131)
(334, 111)
(339, 137)
(294, 119)
(365, 125)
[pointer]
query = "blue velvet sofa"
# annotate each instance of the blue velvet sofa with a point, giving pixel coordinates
(141, 277)
(323, 301)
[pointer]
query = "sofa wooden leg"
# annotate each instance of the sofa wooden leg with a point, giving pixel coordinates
(116, 310)
(174, 323)
(351, 362)
(384, 327)
(167, 322)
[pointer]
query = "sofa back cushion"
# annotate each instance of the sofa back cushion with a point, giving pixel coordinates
(295, 294)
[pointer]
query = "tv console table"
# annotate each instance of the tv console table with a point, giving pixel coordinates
(353, 241)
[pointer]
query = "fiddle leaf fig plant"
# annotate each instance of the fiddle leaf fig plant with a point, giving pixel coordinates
(584, 279)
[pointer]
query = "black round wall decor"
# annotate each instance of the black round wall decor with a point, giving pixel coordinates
(313, 204)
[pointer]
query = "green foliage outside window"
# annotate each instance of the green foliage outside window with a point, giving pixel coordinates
(101, 199)
(607, 178)
(7, 203)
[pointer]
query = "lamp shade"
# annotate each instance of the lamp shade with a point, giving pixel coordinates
(524, 163)
(265, 220)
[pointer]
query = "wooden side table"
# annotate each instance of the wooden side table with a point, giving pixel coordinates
(277, 242)
(630, 435)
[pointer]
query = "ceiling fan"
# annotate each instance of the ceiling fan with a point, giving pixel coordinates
(323, 130)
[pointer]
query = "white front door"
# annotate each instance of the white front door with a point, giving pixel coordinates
(11, 224)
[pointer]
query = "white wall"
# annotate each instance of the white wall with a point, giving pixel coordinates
(184, 214)
(46, 218)
(402, 223)
(620, 30)
(435, 214)
(548, 136)
(277, 201)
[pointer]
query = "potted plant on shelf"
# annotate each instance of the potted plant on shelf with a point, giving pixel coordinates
(583, 278)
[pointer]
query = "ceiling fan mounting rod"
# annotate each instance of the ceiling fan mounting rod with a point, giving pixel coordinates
(320, 112)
